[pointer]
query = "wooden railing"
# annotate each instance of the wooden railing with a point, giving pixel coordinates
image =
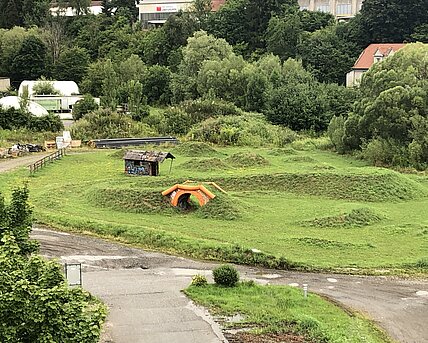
(45, 160)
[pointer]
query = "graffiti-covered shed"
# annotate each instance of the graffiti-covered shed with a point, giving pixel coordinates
(145, 162)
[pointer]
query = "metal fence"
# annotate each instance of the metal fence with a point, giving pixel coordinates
(45, 160)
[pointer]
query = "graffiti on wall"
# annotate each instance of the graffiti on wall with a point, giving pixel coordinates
(132, 169)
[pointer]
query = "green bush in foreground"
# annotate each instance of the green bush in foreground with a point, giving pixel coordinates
(36, 304)
(226, 275)
(199, 280)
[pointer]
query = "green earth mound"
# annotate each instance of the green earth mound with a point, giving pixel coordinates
(222, 207)
(205, 164)
(374, 187)
(282, 151)
(356, 218)
(195, 149)
(133, 200)
(300, 159)
(247, 159)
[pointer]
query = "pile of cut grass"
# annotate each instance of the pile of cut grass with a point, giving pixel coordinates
(247, 159)
(282, 151)
(373, 187)
(222, 207)
(196, 149)
(205, 164)
(356, 218)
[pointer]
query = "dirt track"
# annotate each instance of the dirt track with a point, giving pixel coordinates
(14, 163)
(399, 306)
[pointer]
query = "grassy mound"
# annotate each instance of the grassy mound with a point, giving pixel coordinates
(282, 151)
(195, 149)
(205, 164)
(330, 244)
(132, 200)
(247, 159)
(356, 218)
(300, 159)
(374, 187)
(221, 207)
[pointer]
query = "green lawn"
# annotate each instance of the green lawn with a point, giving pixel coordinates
(316, 209)
(279, 309)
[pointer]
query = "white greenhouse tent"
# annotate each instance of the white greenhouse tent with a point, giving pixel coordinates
(65, 88)
(15, 102)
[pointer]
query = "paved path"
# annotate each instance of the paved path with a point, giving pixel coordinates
(142, 290)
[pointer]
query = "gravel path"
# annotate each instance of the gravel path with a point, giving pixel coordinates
(14, 163)
(142, 290)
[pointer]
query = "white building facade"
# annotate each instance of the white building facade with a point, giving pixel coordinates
(341, 9)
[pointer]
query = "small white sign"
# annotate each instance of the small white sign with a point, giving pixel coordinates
(73, 274)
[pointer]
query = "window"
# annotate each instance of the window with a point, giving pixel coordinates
(146, 17)
(344, 7)
(323, 8)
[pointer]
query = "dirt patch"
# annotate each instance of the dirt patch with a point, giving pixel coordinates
(245, 337)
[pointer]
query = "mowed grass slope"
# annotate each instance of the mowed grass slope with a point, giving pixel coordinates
(305, 209)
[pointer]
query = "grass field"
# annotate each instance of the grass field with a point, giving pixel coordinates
(280, 310)
(302, 208)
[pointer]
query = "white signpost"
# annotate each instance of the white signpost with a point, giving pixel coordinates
(73, 274)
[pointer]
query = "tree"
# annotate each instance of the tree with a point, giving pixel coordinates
(109, 86)
(390, 118)
(44, 87)
(157, 85)
(31, 60)
(72, 64)
(10, 13)
(80, 6)
(84, 106)
(36, 305)
(391, 21)
(35, 12)
(54, 37)
(328, 55)
(283, 35)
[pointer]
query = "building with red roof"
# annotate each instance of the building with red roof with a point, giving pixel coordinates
(374, 53)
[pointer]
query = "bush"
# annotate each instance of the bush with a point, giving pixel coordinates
(226, 275)
(249, 129)
(104, 123)
(84, 106)
(199, 280)
(51, 123)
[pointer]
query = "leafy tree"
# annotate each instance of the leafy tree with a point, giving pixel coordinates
(35, 12)
(84, 106)
(391, 116)
(10, 13)
(10, 44)
(44, 87)
(72, 64)
(391, 21)
(327, 55)
(109, 86)
(80, 6)
(11, 119)
(36, 305)
(156, 85)
(421, 33)
(31, 61)
(315, 20)
(283, 35)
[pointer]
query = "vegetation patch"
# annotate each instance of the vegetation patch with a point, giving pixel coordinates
(274, 312)
(196, 149)
(132, 200)
(247, 159)
(205, 164)
(300, 159)
(356, 218)
(282, 151)
(222, 207)
(326, 243)
(374, 187)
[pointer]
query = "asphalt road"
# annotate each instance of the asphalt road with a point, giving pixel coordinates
(142, 290)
